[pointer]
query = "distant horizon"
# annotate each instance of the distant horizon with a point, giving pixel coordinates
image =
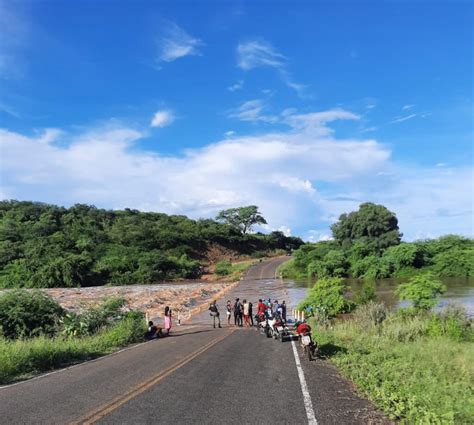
(162, 107)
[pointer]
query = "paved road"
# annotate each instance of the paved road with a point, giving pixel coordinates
(199, 376)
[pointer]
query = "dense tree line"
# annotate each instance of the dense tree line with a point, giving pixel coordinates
(367, 244)
(49, 246)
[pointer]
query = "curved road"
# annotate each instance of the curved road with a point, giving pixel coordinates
(200, 375)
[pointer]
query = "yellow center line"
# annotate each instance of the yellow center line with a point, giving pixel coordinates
(104, 410)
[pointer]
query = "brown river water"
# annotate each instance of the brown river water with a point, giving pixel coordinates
(459, 291)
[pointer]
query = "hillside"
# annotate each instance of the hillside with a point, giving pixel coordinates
(45, 245)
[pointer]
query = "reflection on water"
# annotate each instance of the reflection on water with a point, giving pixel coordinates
(459, 290)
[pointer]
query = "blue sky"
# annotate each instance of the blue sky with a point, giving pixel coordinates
(304, 108)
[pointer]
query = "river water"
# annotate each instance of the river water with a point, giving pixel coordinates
(459, 291)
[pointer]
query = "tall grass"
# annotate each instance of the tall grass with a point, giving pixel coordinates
(20, 359)
(413, 368)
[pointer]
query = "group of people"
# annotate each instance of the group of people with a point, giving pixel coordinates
(243, 311)
(154, 331)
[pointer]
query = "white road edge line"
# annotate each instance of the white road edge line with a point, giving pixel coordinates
(308, 404)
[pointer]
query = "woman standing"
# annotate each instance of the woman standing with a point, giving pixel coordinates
(246, 313)
(228, 311)
(167, 320)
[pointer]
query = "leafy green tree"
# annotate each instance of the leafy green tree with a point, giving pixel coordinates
(243, 218)
(454, 263)
(327, 297)
(373, 225)
(422, 291)
(333, 264)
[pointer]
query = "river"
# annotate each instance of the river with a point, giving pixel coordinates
(459, 291)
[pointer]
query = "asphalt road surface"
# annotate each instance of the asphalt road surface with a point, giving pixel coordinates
(200, 375)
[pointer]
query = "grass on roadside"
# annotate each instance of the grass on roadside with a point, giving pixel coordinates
(233, 271)
(23, 358)
(407, 366)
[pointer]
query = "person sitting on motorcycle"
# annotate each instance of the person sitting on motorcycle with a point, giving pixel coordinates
(303, 329)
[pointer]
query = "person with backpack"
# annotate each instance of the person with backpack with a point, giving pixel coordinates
(214, 312)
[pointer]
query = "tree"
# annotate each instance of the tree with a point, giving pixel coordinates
(422, 291)
(327, 297)
(243, 218)
(373, 225)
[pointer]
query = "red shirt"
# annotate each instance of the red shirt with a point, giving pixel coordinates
(261, 308)
(303, 329)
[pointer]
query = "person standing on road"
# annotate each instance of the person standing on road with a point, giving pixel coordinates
(168, 320)
(251, 312)
(228, 311)
(246, 314)
(215, 314)
(237, 312)
(283, 310)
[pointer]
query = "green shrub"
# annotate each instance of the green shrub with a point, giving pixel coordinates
(370, 314)
(451, 322)
(223, 268)
(454, 263)
(26, 313)
(326, 297)
(366, 293)
(422, 291)
(333, 264)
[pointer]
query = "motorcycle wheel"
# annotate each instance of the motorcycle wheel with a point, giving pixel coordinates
(268, 332)
(309, 352)
(280, 337)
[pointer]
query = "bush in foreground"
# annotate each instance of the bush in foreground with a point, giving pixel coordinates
(28, 313)
(23, 358)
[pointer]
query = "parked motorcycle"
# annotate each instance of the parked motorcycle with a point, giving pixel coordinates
(310, 348)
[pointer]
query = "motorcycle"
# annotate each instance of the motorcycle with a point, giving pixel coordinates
(310, 348)
(279, 329)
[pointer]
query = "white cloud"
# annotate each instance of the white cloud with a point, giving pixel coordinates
(176, 43)
(253, 54)
(406, 107)
(259, 53)
(405, 118)
(303, 178)
(237, 86)
(252, 110)
(229, 133)
(162, 118)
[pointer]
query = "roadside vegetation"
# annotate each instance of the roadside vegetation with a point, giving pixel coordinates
(37, 335)
(415, 364)
(46, 246)
(367, 244)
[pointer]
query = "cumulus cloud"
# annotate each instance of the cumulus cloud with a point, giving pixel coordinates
(176, 43)
(300, 178)
(162, 118)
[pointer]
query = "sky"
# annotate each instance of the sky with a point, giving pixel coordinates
(303, 108)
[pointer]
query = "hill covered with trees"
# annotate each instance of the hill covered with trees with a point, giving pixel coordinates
(49, 246)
